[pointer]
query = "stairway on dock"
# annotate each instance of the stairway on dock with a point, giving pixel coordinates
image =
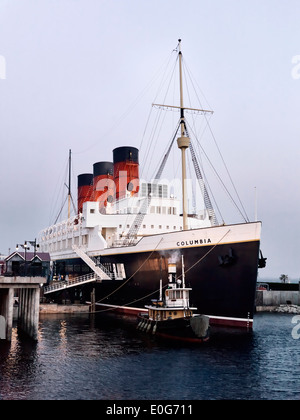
(77, 281)
(99, 274)
(98, 269)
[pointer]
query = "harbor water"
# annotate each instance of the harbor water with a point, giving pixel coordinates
(84, 357)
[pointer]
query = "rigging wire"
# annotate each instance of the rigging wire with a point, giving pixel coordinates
(156, 291)
(205, 187)
(130, 108)
(194, 204)
(60, 195)
(205, 181)
(245, 216)
(62, 207)
(158, 120)
(158, 90)
(166, 151)
(123, 284)
(63, 194)
(220, 179)
(202, 129)
(74, 187)
(192, 79)
(205, 255)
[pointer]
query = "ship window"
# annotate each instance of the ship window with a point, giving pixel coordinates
(152, 209)
(152, 226)
(69, 268)
(168, 227)
(92, 211)
(144, 226)
(158, 209)
(160, 226)
(85, 269)
(160, 191)
(128, 226)
(144, 190)
(77, 268)
(174, 227)
(164, 210)
(169, 210)
(120, 226)
(121, 270)
(174, 210)
(165, 191)
(154, 190)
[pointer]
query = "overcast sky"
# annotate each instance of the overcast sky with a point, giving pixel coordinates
(70, 75)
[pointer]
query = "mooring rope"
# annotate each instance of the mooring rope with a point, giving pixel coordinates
(123, 284)
(156, 291)
(205, 255)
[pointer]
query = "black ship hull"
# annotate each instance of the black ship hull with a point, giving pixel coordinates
(223, 278)
(225, 292)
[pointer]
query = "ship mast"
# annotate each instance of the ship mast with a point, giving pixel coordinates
(69, 187)
(183, 143)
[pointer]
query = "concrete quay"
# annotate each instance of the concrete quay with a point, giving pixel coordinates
(29, 301)
(55, 308)
(277, 297)
(283, 309)
(282, 301)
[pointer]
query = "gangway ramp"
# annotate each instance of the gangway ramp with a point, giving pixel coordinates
(99, 273)
(98, 269)
(77, 281)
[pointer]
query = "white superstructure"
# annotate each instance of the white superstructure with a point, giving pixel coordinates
(96, 229)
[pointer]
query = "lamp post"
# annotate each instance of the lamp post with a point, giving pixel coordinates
(26, 246)
(35, 246)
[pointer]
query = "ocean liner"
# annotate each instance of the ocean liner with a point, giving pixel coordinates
(127, 231)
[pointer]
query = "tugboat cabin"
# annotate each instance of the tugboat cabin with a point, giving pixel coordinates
(176, 303)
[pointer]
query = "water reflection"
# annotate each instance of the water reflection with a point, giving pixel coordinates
(95, 357)
(17, 361)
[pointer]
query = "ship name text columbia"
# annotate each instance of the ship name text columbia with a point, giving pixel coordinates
(194, 242)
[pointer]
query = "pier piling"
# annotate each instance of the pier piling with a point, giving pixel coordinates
(29, 301)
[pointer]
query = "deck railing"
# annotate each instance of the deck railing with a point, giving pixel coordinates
(60, 285)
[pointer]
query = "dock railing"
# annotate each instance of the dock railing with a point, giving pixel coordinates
(60, 285)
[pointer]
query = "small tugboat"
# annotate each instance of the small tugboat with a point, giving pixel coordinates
(173, 317)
